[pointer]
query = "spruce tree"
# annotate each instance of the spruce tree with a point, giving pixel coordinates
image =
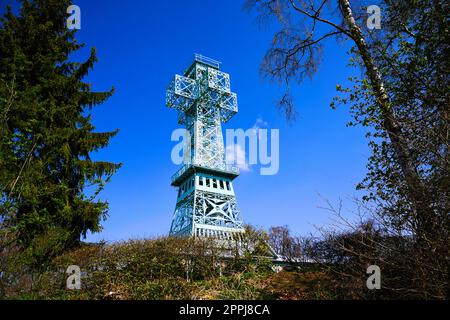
(46, 134)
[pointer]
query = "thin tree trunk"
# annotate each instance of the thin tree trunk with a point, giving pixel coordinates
(27, 159)
(416, 192)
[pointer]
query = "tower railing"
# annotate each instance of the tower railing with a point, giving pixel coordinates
(211, 62)
(225, 168)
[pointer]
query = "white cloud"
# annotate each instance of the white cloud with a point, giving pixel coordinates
(260, 124)
(235, 154)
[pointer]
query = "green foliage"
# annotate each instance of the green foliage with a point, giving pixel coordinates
(164, 268)
(46, 135)
(410, 52)
(402, 99)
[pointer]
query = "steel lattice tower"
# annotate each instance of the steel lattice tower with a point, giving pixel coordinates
(206, 204)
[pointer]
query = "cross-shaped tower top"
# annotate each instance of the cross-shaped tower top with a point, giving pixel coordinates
(203, 99)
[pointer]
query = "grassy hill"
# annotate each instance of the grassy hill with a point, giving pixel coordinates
(165, 268)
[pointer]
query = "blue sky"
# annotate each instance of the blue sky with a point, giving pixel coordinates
(141, 44)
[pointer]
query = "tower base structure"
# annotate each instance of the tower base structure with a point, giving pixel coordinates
(206, 205)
